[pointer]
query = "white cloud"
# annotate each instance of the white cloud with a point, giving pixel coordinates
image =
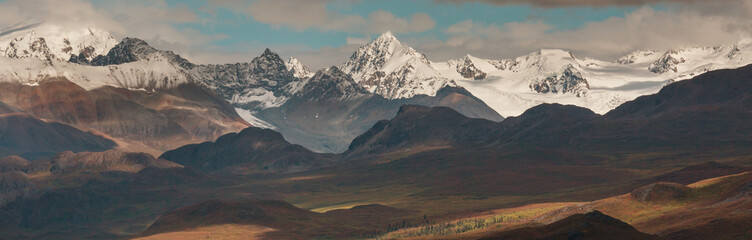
(357, 41)
(381, 21)
(153, 21)
(316, 14)
(644, 28)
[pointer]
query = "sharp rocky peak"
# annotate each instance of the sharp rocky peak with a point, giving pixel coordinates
(270, 62)
(331, 73)
(332, 82)
(132, 50)
(297, 68)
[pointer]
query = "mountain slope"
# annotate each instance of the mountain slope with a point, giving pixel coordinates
(161, 120)
(30, 137)
(251, 150)
(422, 127)
(332, 109)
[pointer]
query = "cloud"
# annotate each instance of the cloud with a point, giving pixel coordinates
(644, 28)
(357, 41)
(154, 20)
(301, 15)
(316, 14)
(577, 3)
(381, 21)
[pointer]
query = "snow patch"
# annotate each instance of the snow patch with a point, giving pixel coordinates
(253, 120)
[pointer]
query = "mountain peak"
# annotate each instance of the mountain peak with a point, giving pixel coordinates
(331, 83)
(388, 68)
(332, 72)
(297, 68)
(268, 52)
(387, 36)
(270, 62)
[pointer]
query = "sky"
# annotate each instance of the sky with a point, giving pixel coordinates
(323, 33)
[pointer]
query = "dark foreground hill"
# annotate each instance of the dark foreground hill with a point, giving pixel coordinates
(590, 226)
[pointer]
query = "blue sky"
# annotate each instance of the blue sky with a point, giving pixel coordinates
(242, 29)
(325, 32)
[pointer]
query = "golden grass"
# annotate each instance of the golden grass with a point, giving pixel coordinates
(487, 221)
(708, 182)
(303, 178)
(216, 232)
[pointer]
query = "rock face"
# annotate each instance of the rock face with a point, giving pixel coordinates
(263, 83)
(132, 50)
(30, 137)
(467, 69)
(330, 84)
(637, 56)
(593, 225)
(253, 149)
(666, 63)
(569, 81)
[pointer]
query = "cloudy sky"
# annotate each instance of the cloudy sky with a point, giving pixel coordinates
(326, 32)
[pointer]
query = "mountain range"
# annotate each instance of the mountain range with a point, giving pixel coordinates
(376, 80)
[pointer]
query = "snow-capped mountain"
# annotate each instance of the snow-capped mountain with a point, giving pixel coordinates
(264, 82)
(46, 41)
(467, 68)
(546, 71)
(510, 86)
(388, 68)
(556, 76)
(155, 73)
(105, 92)
(297, 68)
